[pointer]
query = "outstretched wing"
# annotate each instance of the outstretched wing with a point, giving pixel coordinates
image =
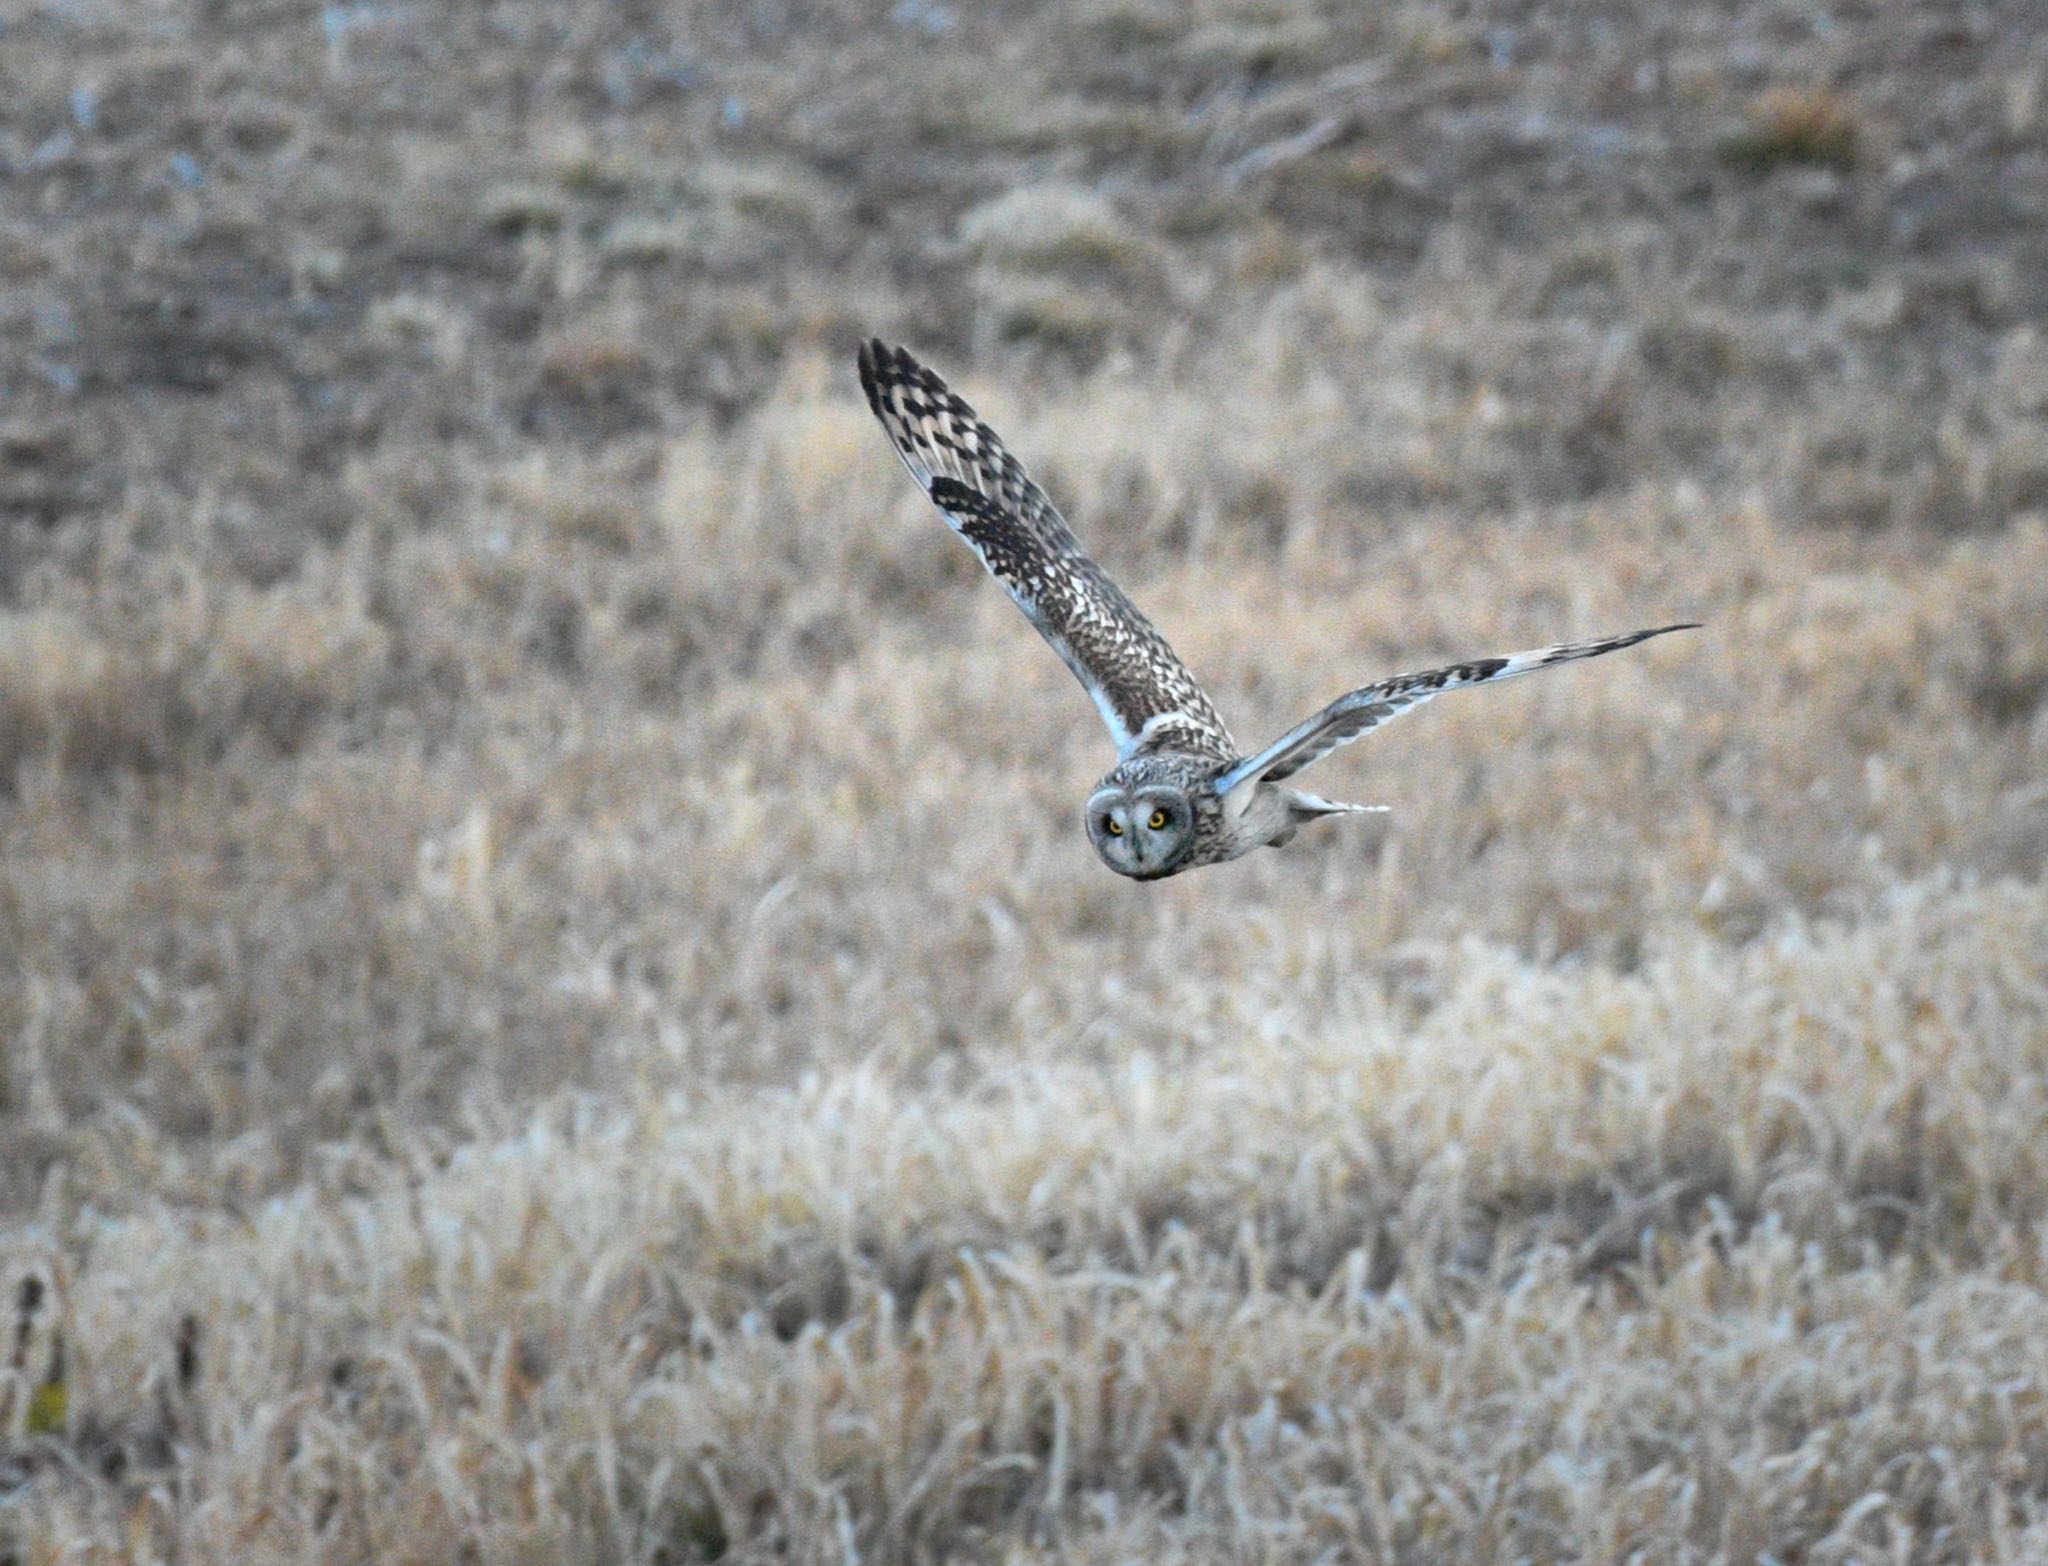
(1143, 691)
(1368, 707)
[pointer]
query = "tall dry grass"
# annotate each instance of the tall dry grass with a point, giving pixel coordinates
(1731, 1254)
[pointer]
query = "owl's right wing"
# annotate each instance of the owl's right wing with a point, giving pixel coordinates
(1365, 709)
(1144, 692)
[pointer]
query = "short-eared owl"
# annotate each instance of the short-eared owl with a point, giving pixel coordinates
(1181, 794)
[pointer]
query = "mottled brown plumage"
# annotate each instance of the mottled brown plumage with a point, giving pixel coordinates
(1180, 795)
(984, 493)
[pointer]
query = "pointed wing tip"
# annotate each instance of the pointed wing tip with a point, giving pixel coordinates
(878, 357)
(1666, 631)
(886, 367)
(1661, 630)
(873, 361)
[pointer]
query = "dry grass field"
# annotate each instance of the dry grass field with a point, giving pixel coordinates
(554, 1002)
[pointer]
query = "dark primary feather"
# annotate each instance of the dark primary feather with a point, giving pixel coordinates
(1362, 710)
(1126, 666)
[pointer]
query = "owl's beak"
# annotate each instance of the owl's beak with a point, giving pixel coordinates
(1149, 858)
(1152, 862)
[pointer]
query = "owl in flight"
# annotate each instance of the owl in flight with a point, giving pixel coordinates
(1182, 794)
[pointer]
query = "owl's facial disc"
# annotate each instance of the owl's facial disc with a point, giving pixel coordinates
(1144, 833)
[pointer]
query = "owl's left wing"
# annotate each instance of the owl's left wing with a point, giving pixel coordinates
(1144, 692)
(1362, 710)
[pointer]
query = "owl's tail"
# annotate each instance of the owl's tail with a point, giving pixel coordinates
(1309, 807)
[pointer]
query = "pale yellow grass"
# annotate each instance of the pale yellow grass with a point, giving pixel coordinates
(1729, 1253)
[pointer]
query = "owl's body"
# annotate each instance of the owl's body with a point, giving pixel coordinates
(1218, 826)
(1182, 794)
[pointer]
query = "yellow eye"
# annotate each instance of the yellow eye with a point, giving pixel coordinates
(1113, 828)
(1158, 820)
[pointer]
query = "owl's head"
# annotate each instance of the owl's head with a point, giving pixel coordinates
(1142, 821)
